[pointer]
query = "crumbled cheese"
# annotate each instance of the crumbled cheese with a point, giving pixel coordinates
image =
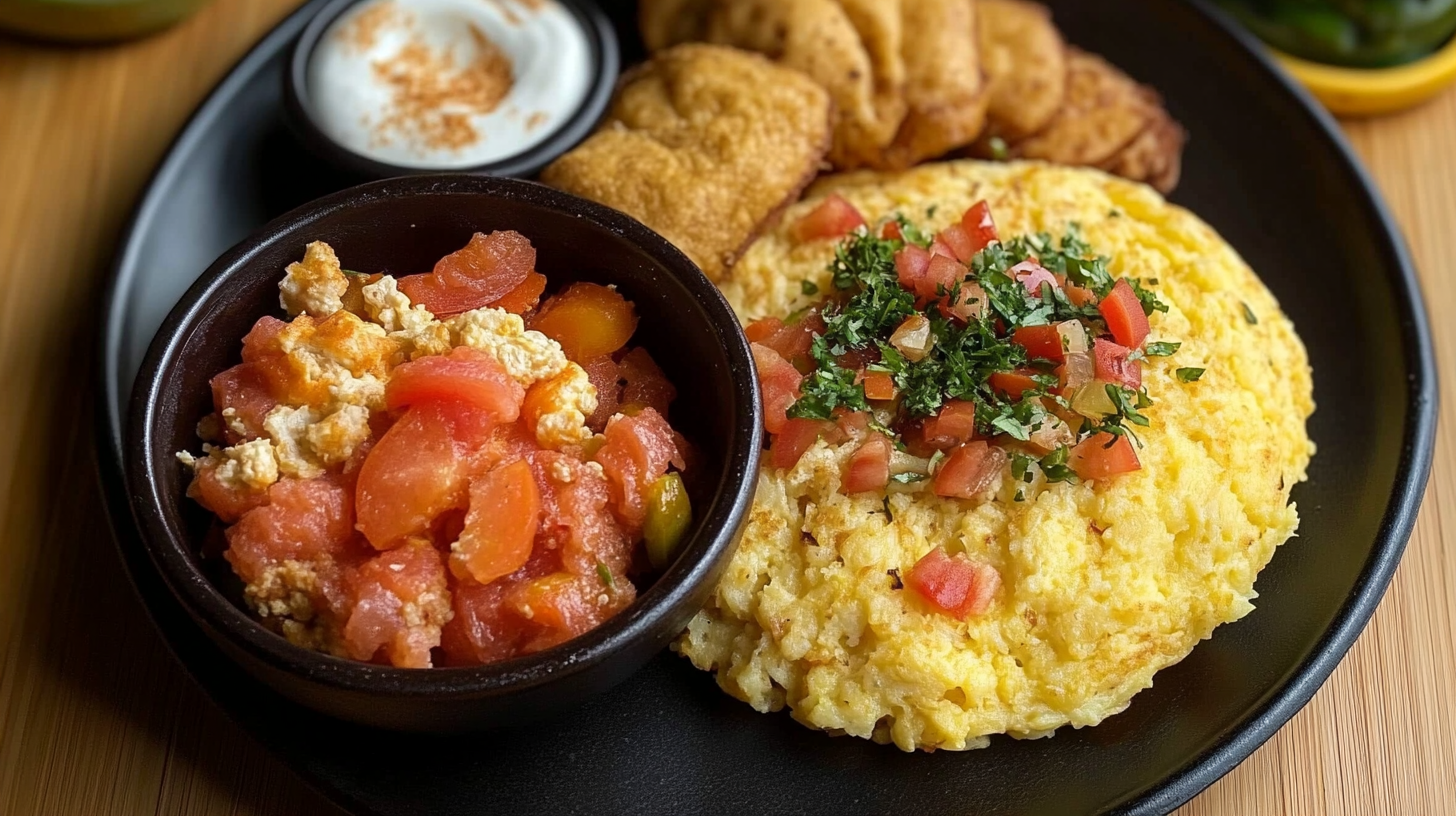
(569, 398)
(187, 459)
(334, 438)
(365, 392)
(250, 466)
(339, 360)
(315, 285)
(288, 428)
(391, 308)
(528, 356)
(234, 422)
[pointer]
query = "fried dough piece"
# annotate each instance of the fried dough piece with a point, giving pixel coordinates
(1025, 62)
(1103, 112)
(851, 47)
(1155, 156)
(945, 91)
(665, 23)
(705, 145)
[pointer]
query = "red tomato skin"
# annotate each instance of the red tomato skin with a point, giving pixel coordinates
(1124, 315)
(910, 266)
(1032, 275)
(969, 471)
(869, 466)
(941, 248)
(760, 330)
(960, 242)
(644, 383)
(797, 437)
(891, 231)
(606, 377)
(1076, 294)
(879, 385)
(485, 270)
(1014, 383)
(1092, 459)
(505, 510)
(979, 225)
(464, 375)
(954, 585)
(525, 297)
(1040, 342)
(1113, 365)
(941, 273)
(638, 449)
(247, 390)
(780, 383)
(833, 218)
(954, 425)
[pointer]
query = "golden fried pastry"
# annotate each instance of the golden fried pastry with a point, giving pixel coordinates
(1025, 62)
(704, 144)
(1155, 156)
(666, 23)
(945, 92)
(851, 47)
(1103, 112)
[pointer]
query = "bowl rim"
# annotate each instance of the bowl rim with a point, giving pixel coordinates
(669, 595)
(605, 64)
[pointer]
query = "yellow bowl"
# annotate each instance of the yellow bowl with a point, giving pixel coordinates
(1373, 91)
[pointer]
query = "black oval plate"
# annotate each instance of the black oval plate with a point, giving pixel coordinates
(1264, 167)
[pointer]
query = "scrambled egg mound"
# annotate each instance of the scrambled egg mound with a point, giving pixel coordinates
(1104, 584)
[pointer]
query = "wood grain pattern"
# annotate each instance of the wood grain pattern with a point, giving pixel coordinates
(95, 717)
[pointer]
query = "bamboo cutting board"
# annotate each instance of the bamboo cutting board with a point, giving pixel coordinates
(96, 718)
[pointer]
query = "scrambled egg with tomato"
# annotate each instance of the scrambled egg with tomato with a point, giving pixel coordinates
(1101, 583)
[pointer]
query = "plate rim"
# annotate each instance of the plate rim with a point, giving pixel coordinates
(1239, 740)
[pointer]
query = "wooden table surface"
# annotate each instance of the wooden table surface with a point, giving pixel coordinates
(96, 717)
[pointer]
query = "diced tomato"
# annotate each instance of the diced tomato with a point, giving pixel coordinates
(979, 226)
(412, 575)
(262, 339)
(466, 375)
(1124, 315)
(1075, 294)
(643, 383)
(790, 340)
(954, 425)
(525, 297)
(970, 470)
(566, 605)
(505, 510)
(970, 304)
(605, 376)
(941, 248)
(228, 500)
(418, 470)
(1014, 383)
(797, 437)
(482, 272)
(879, 385)
(638, 449)
(779, 382)
(760, 330)
(1040, 342)
(246, 390)
(304, 520)
(833, 218)
(869, 466)
(588, 320)
(941, 273)
(910, 266)
(576, 515)
(891, 231)
(852, 423)
(482, 630)
(1032, 275)
(1093, 459)
(1113, 365)
(954, 585)
(960, 242)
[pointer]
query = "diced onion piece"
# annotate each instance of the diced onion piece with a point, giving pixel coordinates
(1074, 336)
(1077, 371)
(1053, 434)
(1091, 401)
(913, 338)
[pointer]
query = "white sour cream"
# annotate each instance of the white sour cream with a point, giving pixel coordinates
(448, 84)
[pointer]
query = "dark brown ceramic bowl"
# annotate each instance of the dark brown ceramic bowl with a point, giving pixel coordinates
(403, 225)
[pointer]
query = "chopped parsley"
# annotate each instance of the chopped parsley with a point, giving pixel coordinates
(808, 287)
(1189, 375)
(1249, 315)
(1161, 349)
(605, 575)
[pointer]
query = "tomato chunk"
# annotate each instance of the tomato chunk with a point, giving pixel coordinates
(465, 375)
(482, 272)
(779, 382)
(833, 218)
(606, 378)
(791, 340)
(505, 510)
(304, 520)
(911, 264)
(1113, 365)
(960, 242)
(1124, 315)
(1041, 342)
(869, 466)
(412, 575)
(797, 437)
(879, 385)
(243, 397)
(1014, 383)
(979, 226)
(588, 320)
(525, 297)
(954, 425)
(1102, 455)
(969, 471)
(643, 383)
(891, 231)
(941, 273)
(419, 469)
(638, 449)
(954, 585)
(565, 605)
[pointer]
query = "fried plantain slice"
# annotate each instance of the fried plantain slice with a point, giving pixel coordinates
(1025, 62)
(706, 145)
(665, 23)
(945, 91)
(1154, 156)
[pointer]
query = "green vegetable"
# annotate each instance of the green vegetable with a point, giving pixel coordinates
(1359, 33)
(669, 512)
(999, 150)
(604, 574)
(808, 287)
(1249, 314)
(1189, 375)
(1162, 349)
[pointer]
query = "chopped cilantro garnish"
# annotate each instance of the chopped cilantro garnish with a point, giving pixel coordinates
(1249, 314)
(1162, 349)
(1189, 375)
(999, 150)
(909, 477)
(604, 574)
(808, 287)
